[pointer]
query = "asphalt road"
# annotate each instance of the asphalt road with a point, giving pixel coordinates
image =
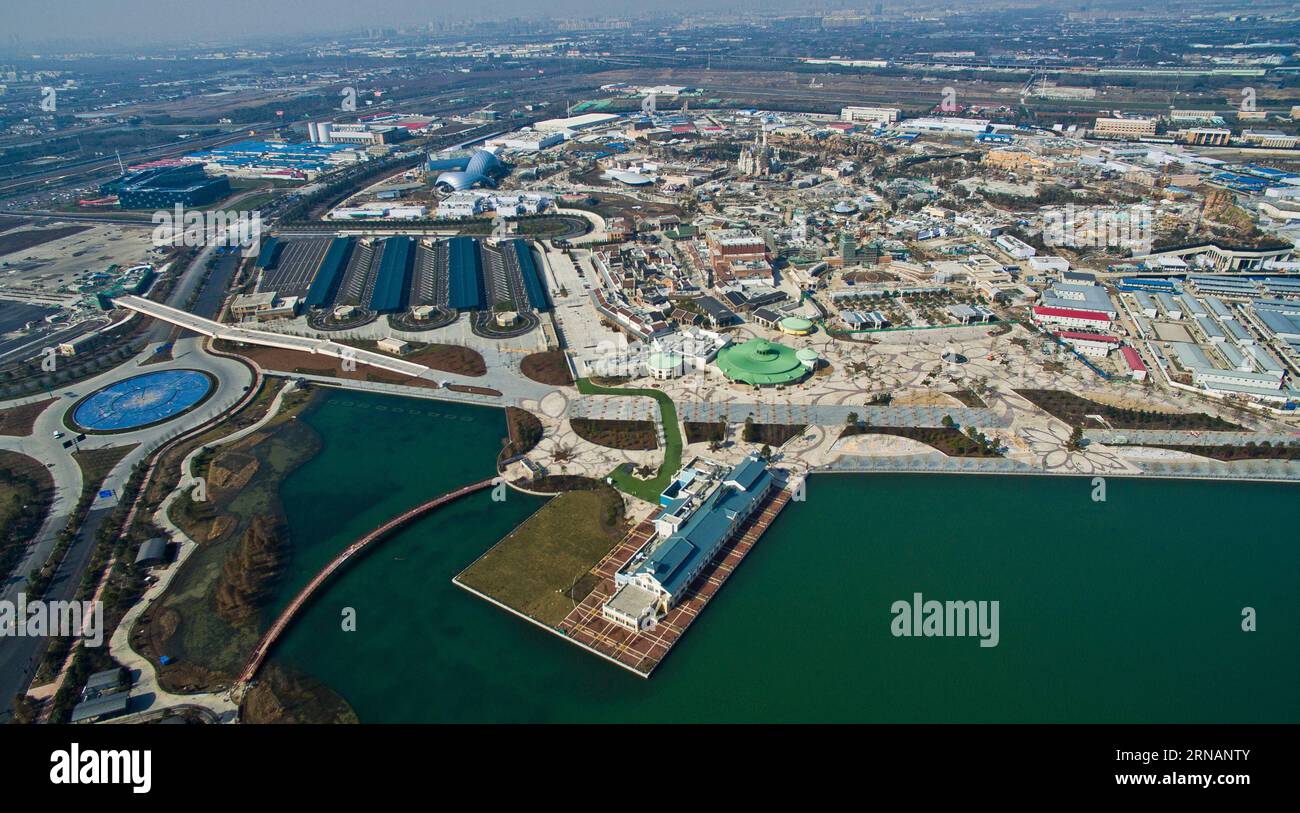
(19, 657)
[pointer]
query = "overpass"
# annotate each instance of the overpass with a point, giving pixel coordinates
(287, 615)
(266, 338)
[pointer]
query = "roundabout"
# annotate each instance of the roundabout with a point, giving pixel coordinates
(141, 400)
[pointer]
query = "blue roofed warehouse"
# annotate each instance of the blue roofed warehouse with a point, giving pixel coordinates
(394, 276)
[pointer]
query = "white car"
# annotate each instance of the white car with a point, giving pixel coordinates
(57, 434)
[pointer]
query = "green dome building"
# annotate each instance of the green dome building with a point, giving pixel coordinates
(795, 326)
(761, 363)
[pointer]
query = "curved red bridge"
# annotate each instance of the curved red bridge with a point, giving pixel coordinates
(286, 617)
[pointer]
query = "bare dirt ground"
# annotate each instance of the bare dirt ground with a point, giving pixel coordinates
(547, 368)
(296, 361)
(30, 238)
(926, 398)
(17, 421)
(1126, 402)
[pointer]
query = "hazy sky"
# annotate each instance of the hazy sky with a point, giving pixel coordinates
(27, 24)
(134, 21)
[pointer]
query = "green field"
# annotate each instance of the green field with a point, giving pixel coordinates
(542, 568)
(648, 490)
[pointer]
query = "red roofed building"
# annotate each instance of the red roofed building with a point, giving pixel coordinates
(1137, 369)
(1071, 318)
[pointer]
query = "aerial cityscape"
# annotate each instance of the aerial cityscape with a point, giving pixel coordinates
(613, 363)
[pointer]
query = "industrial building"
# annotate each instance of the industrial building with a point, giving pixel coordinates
(363, 134)
(1071, 318)
(1077, 296)
(424, 282)
(104, 696)
(582, 122)
(1133, 360)
(465, 274)
(1207, 374)
(278, 160)
(379, 211)
(165, 187)
(471, 203)
(527, 140)
(394, 277)
(879, 116)
(1096, 345)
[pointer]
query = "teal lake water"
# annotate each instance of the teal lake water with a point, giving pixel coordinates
(1128, 610)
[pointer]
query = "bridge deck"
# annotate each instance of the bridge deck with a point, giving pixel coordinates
(266, 338)
(299, 601)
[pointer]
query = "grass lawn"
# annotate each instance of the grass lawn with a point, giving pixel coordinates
(616, 434)
(647, 490)
(542, 569)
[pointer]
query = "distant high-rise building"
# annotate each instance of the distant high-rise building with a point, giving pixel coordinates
(1124, 128)
(848, 248)
(879, 116)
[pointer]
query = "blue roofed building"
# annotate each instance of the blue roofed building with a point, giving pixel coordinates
(164, 187)
(394, 277)
(703, 508)
(326, 282)
(465, 274)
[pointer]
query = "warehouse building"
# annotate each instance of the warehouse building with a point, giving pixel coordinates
(1079, 297)
(394, 278)
(166, 187)
(104, 695)
(1095, 345)
(1137, 369)
(1071, 318)
(1206, 374)
(1146, 304)
(879, 116)
(326, 282)
(465, 274)
(1125, 128)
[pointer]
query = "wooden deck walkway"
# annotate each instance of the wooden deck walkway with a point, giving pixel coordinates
(641, 652)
